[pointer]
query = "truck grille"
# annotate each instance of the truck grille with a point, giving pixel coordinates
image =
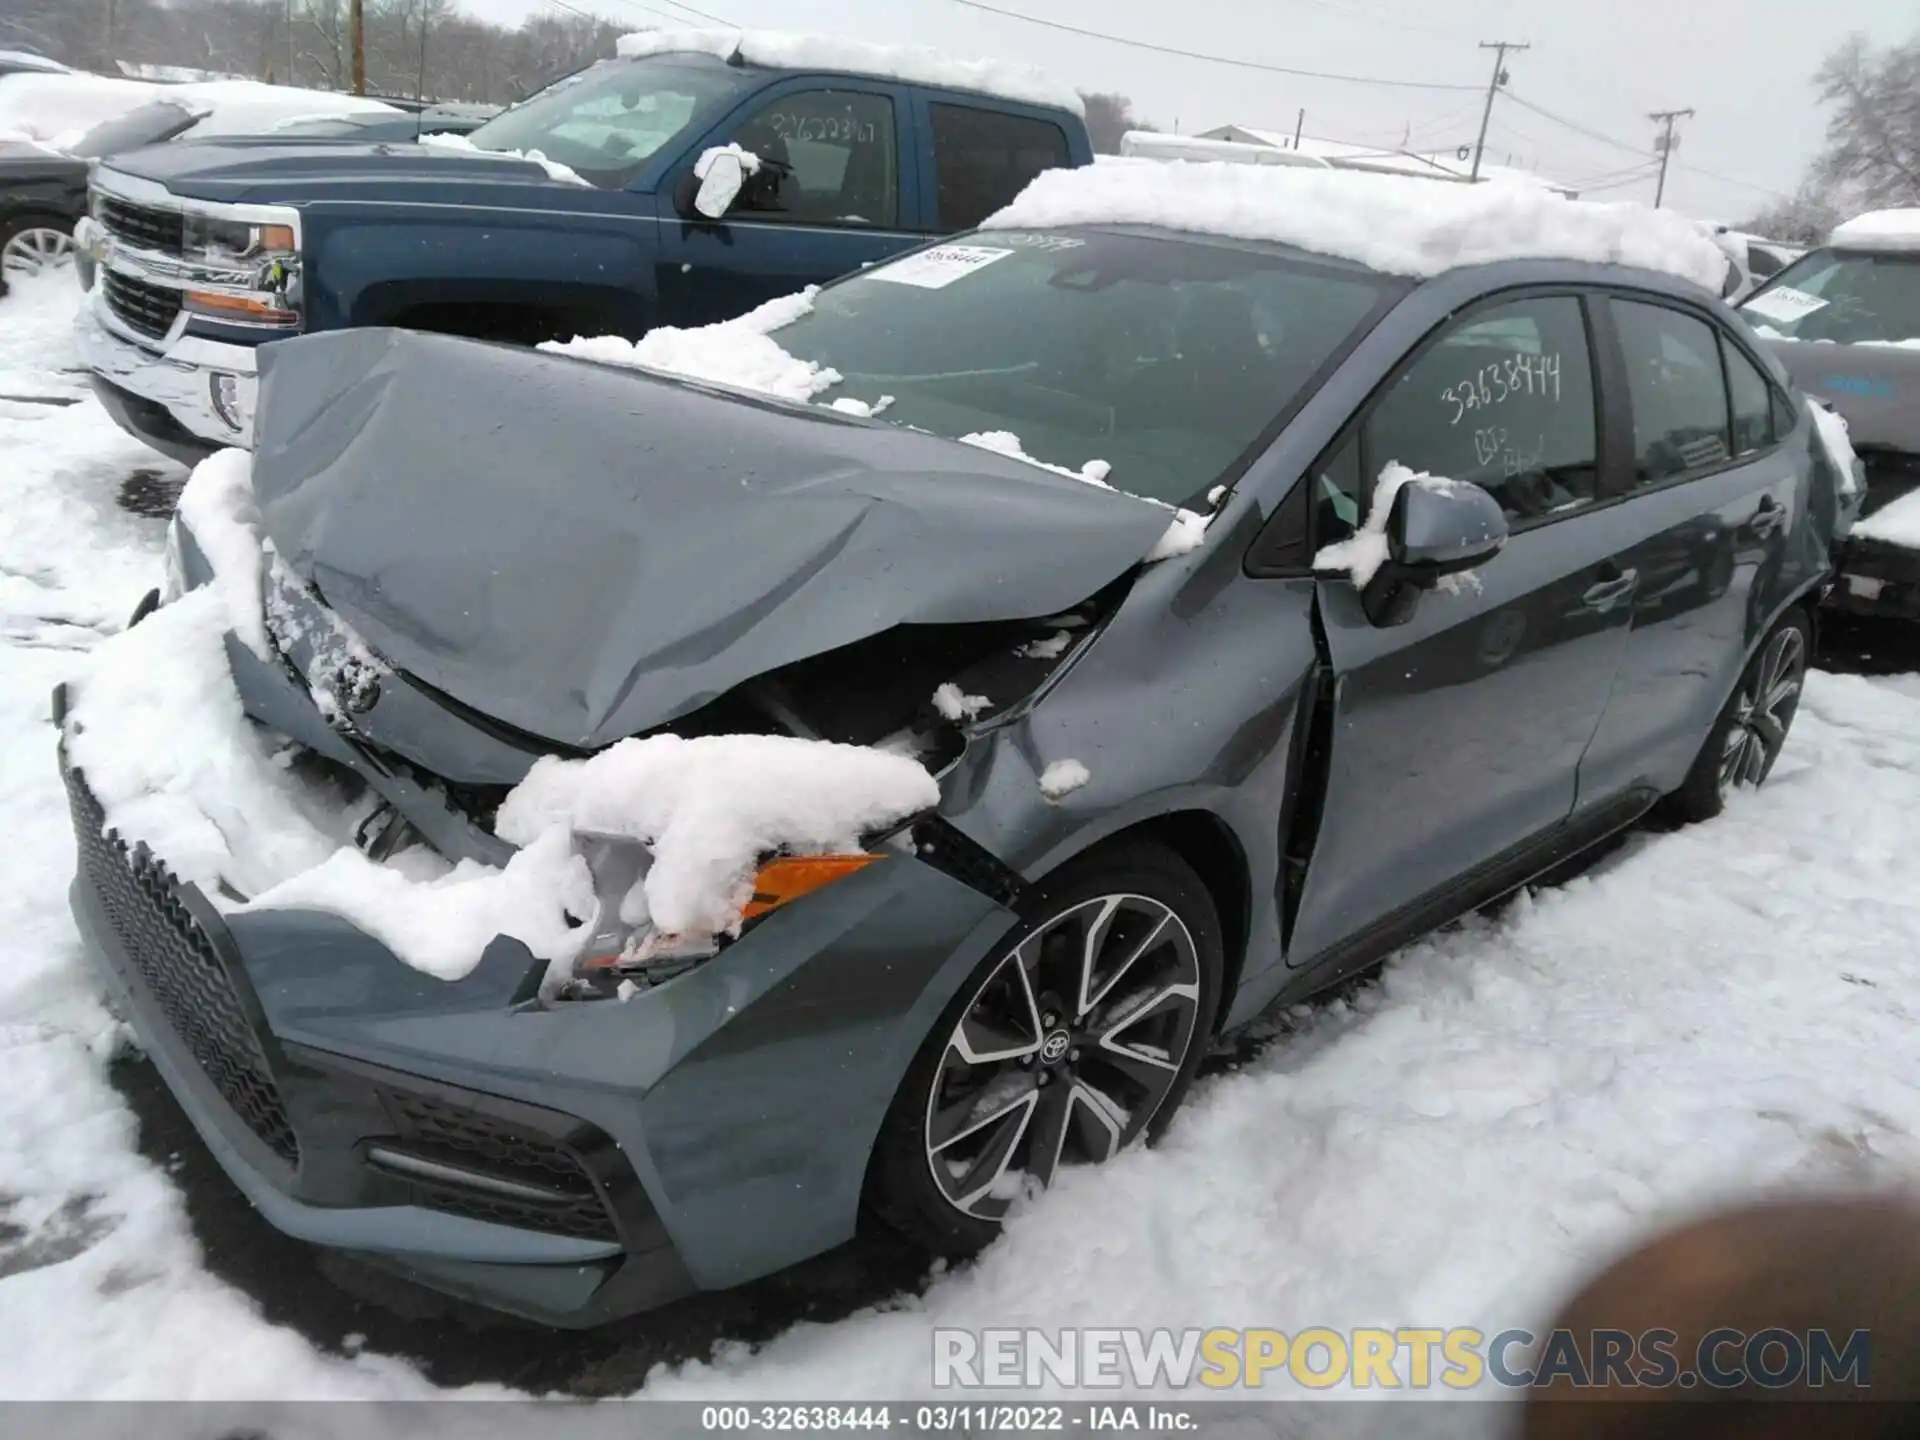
(149, 309)
(174, 959)
(141, 225)
(471, 1140)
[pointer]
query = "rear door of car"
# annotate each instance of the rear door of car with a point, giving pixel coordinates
(1453, 741)
(841, 189)
(1704, 512)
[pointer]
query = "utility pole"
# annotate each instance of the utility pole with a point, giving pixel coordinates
(357, 22)
(1299, 125)
(290, 62)
(112, 17)
(1500, 49)
(1665, 119)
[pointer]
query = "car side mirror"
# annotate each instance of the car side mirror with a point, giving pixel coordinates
(1435, 528)
(721, 175)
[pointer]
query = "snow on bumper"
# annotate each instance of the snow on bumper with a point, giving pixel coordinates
(207, 388)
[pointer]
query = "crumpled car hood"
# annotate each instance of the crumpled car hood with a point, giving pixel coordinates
(583, 552)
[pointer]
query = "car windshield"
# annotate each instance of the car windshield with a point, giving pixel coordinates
(1843, 296)
(146, 125)
(608, 120)
(1165, 358)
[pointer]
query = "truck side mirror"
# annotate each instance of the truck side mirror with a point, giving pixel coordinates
(721, 174)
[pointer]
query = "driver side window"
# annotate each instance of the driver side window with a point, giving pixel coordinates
(1504, 399)
(827, 157)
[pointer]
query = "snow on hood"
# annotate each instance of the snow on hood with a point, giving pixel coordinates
(437, 140)
(1880, 230)
(1380, 221)
(157, 724)
(603, 551)
(910, 64)
(60, 108)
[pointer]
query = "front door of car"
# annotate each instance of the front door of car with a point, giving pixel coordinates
(1455, 738)
(837, 188)
(1704, 531)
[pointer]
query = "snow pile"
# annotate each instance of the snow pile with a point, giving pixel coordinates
(1362, 553)
(61, 107)
(1376, 220)
(953, 703)
(1896, 523)
(438, 140)
(1831, 426)
(1880, 230)
(441, 921)
(749, 162)
(1062, 778)
(710, 808)
(910, 64)
(156, 723)
(738, 353)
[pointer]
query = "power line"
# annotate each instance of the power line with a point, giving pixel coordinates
(1213, 59)
(1579, 129)
(716, 19)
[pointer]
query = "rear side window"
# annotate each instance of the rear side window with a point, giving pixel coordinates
(983, 158)
(1504, 399)
(1752, 401)
(1680, 412)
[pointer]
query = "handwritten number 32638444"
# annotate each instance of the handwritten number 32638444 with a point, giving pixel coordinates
(1495, 384)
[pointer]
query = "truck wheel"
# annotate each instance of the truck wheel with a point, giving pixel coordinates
(1075, 1039)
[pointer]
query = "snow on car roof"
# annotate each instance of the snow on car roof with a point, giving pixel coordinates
(1386, 222)
(912, 64)
(1880, 230)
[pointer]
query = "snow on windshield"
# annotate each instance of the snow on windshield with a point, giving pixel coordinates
(912, 64)
(1385, 222)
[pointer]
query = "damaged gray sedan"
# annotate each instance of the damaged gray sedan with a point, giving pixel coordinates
(1478, 567)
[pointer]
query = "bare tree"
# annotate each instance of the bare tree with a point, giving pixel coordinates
(1805, 219)
(1872, 154)
(1109, 117)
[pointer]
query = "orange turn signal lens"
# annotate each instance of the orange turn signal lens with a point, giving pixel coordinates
(238, 307)
(274, 238)
(792, 876)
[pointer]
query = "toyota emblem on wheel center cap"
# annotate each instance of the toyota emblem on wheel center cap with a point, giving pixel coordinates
(1055, 1046)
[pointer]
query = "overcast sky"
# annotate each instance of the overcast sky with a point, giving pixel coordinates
(1743, 65)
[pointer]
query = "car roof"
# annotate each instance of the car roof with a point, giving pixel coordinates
(1393, 224)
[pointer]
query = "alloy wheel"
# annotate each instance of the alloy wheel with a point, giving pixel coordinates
(1065, 1052)
(36, 250)
(1763, 710)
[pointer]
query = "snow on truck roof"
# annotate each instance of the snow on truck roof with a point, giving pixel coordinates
(911, 64)
(1880, 230)
(1386, 222)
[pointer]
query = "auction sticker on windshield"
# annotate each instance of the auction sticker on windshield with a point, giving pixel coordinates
(1785, 304)
(939, 267)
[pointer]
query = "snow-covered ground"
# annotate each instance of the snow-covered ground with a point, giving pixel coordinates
(1706, 1012)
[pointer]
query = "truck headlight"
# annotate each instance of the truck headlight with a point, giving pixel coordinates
(219, 241)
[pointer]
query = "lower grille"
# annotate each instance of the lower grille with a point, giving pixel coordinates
(149, 309)
(154, 918)
(437, 1129)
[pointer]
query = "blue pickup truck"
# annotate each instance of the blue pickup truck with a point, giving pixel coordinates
(685, 182)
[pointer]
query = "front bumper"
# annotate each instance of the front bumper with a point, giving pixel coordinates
(1876, 579)
(584, 1160)
(163, 391)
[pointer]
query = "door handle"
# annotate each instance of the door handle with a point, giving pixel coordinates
(1769, 517)
(1613, 586)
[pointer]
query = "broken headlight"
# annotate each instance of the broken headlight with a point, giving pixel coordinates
(624, 946)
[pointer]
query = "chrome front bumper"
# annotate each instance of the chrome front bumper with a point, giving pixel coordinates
(192, 378)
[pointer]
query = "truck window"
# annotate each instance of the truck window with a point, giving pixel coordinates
(983, 158)
(830, 159)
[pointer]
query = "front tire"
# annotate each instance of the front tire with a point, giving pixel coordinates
(1075, 1039)
(1747, 739)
